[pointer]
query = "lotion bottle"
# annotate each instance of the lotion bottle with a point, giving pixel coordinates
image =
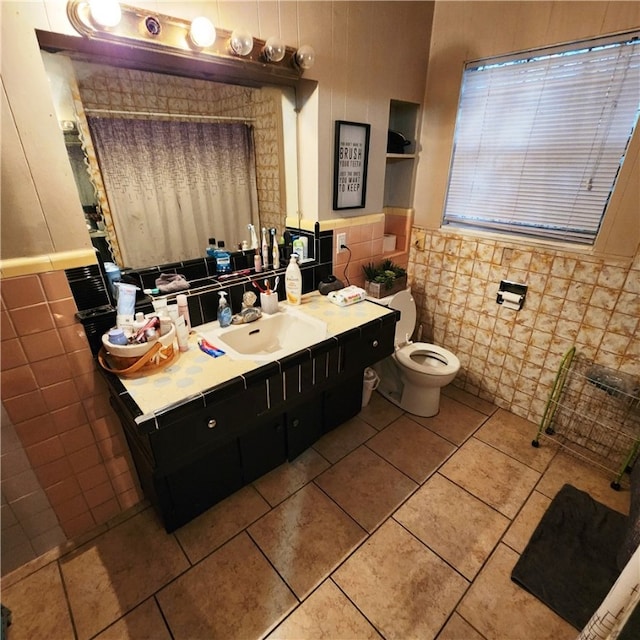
(224, 310)
(183, 310)
(293, 281)
(257, 262)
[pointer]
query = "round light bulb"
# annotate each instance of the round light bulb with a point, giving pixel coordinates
(241, 42)
(274, 49)
(305, 57)
(202, 32)
(106, 13)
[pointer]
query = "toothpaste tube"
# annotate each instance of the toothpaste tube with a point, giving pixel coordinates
(209, 349)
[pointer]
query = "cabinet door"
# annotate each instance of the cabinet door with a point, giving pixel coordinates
(263, 448)
(304, 426)
(202, 483)
(343, 402)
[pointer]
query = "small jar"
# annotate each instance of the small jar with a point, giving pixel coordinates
(116, 336)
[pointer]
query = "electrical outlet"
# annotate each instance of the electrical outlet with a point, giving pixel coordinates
(341, 238)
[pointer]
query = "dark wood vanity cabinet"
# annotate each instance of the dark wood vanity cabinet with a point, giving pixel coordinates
(198, 453)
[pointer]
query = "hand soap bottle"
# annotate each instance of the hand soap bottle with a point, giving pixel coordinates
(293, 281)
(224, 310)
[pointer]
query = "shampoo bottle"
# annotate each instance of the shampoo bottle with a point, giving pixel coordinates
(293, 281)
(224, 310)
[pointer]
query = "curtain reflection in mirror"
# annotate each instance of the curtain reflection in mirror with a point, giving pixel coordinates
(171, 184)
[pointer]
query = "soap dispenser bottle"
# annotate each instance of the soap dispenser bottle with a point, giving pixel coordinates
(293, 281)
(224, 310)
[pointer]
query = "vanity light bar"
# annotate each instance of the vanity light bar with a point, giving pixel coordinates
(144, 29)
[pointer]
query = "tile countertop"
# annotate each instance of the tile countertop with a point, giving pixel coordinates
(195, 372)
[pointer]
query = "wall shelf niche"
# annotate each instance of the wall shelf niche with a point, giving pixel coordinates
(400, 167)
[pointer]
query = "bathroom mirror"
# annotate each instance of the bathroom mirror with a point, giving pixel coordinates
(89, 84)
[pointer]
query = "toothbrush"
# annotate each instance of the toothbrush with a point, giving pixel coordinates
(265, 249)
(276, 250)
(254, 237)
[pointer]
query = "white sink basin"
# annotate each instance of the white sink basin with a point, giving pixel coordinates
(269, 338)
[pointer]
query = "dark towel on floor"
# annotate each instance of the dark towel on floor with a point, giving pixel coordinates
(570, 560)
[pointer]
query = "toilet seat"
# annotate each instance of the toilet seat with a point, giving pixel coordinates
(427, 359)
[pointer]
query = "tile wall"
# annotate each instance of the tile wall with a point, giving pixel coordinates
(364, 237)
(58, 405)
(511, 357)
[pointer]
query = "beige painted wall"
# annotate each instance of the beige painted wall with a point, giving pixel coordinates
(465, 31)
(366, 54)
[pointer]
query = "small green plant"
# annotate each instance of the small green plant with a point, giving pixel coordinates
(385, 273)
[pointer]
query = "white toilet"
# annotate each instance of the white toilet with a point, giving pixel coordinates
(413, 376)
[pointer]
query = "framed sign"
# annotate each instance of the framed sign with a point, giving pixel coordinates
(350, 165)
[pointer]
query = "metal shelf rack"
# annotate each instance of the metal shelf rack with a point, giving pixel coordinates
(594, 412)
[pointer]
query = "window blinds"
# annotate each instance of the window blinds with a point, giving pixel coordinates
(539, 140)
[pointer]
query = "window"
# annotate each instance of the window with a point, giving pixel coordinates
(540, 138)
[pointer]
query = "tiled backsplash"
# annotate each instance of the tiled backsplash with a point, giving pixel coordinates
(511, 357)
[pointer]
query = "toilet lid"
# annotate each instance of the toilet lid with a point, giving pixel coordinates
(404, 303)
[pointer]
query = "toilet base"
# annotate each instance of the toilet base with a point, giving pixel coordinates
(421, 401)
(417, 400)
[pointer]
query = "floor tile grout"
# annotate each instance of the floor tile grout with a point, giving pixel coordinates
(368, 535)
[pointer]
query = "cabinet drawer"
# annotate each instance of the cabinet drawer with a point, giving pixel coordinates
(375, 342)
(196, 431)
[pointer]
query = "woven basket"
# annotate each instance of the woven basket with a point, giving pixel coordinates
(139, 359)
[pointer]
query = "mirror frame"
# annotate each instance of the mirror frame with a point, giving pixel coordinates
(131, 56)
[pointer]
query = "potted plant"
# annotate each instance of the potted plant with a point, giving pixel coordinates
(385, 279)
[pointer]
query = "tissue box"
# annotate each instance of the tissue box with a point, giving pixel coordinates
(388, 243)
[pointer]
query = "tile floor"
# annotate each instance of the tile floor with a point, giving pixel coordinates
(391, 526)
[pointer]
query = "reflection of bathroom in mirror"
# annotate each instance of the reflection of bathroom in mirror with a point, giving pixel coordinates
(160, 199)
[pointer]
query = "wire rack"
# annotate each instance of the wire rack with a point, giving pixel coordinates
(594, 412)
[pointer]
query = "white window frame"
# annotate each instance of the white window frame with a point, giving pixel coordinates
(498, 182)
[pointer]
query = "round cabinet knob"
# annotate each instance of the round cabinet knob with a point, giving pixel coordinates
(295, 422)
(375, 343)
(212, 423)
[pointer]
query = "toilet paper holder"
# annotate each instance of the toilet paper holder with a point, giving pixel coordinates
(511, 294)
